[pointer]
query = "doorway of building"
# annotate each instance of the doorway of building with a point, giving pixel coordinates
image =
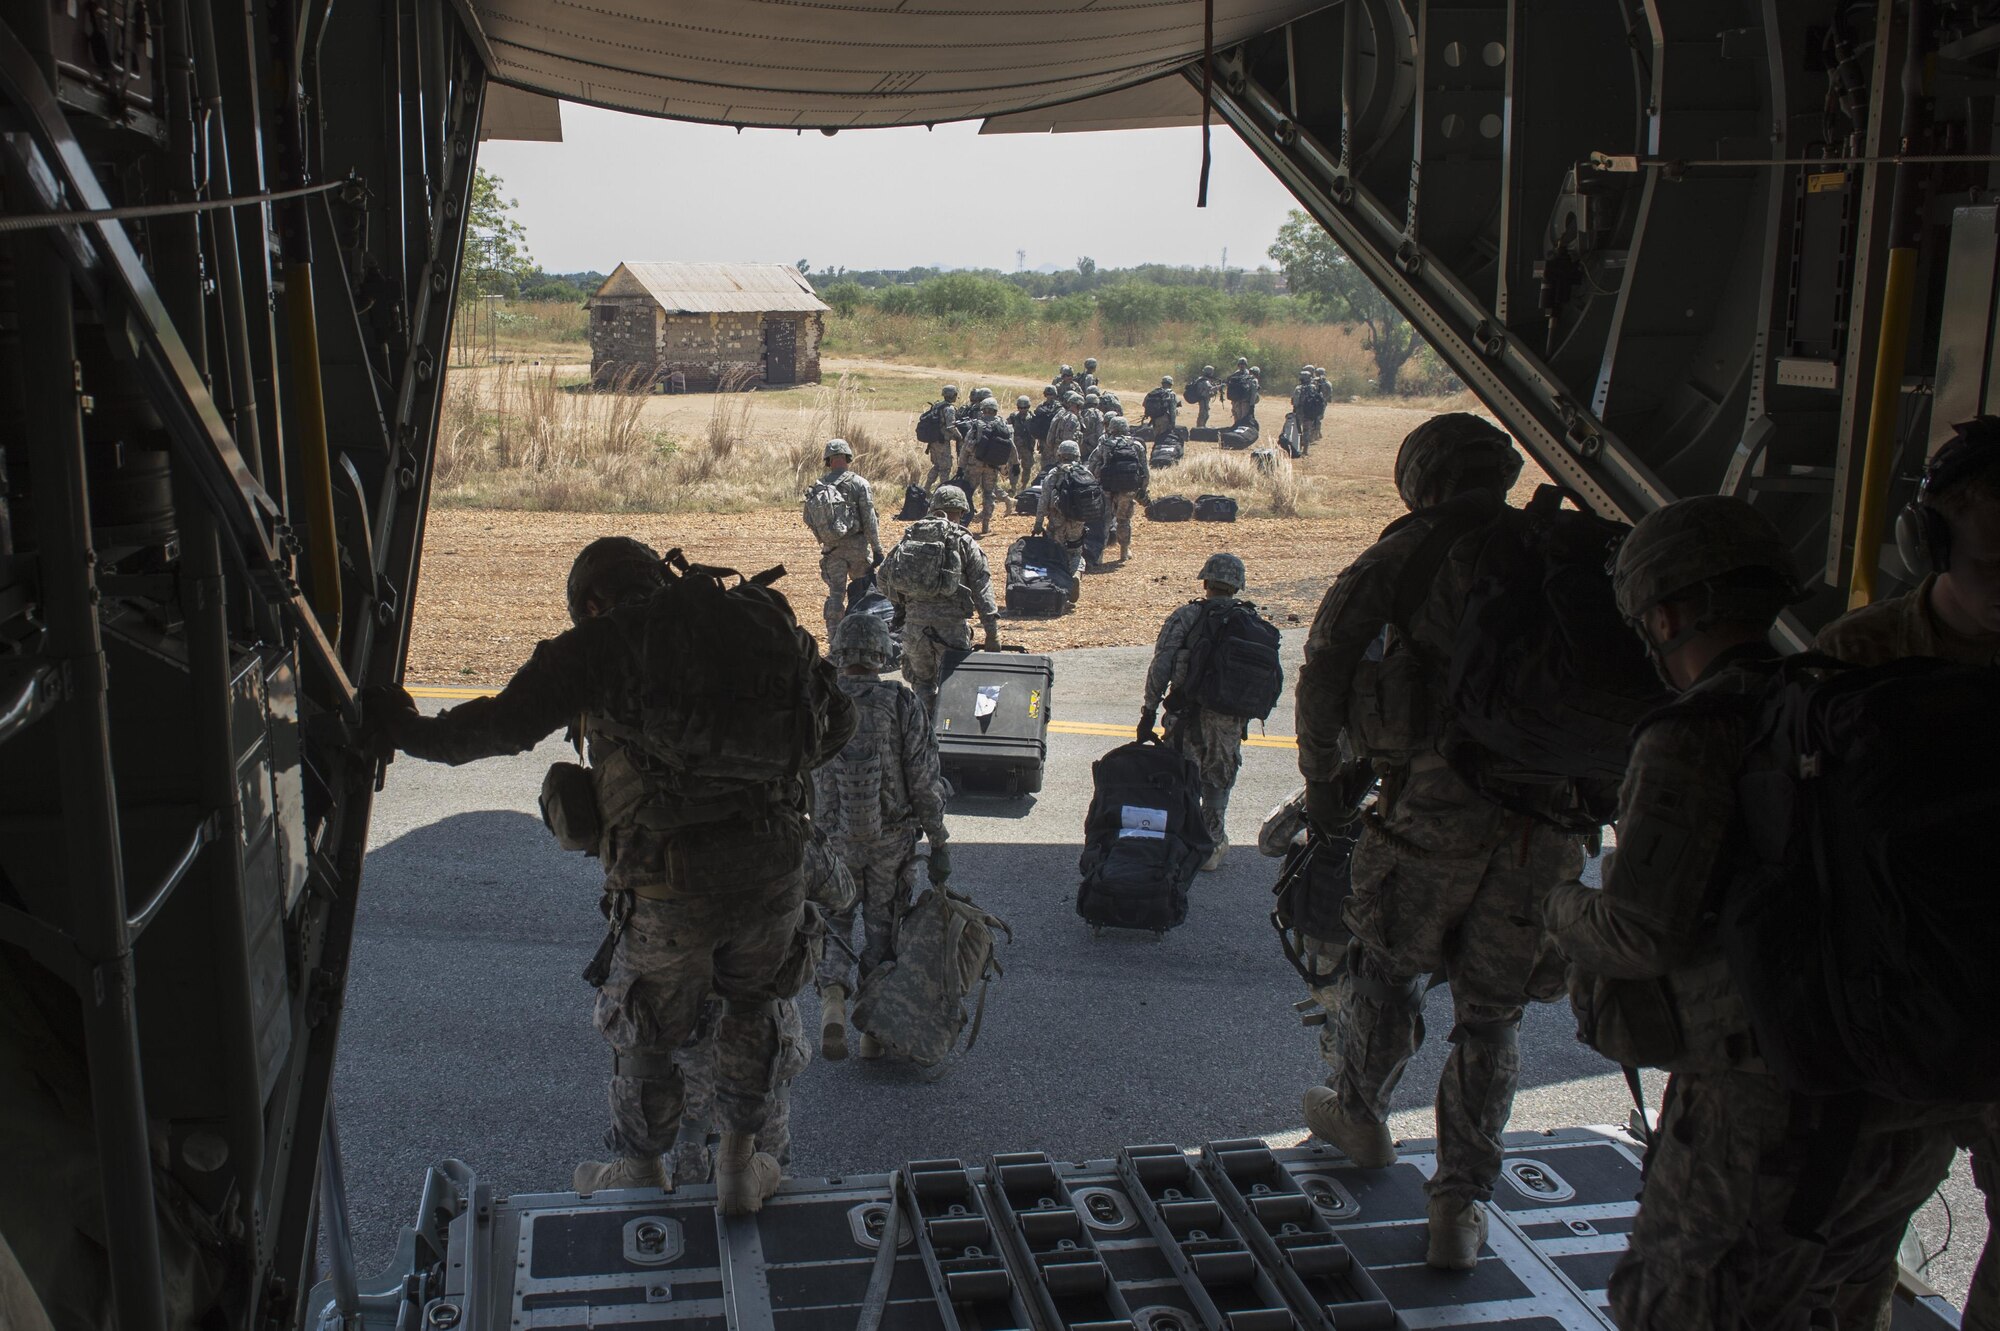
(781, 351)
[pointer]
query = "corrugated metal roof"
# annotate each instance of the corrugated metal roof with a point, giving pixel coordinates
(714, 288)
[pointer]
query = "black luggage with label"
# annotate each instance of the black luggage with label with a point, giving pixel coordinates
(1239, 436)
(1039, 577)
(1167, 452)
(1170, 508)
(1143, 839)
(1214, 508)
(993, 721)
(1205, 434)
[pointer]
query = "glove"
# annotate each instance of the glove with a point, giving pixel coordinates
(940, 864)
(992, 626)
(1147, 734)
(1327, 805)
(386, 710)
(875, 557)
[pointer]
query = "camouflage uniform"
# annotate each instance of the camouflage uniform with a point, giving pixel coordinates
(1123, 505)
(1444, 880)
(1021, 471)
(1065, 424)
(874, 800)
(851, 557)
(1067, 531)
(933, 627)
(982, 479)
(945, 452)
(1306, 405)
(1710, 1247)
(1889, 630)
(699, 908)
(1241, 388)
(1092, 420)
(1162, 420)
(1212, 740)
(1201, 391)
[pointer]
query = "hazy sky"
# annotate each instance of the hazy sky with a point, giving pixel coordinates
(626, 187)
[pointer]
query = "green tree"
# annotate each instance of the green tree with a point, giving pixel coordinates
(496, 258)
(1131, 309)
(1319, 271)
(845, 296)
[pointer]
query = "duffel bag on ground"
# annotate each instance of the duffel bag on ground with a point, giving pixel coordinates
(1038, 577)
(1170, 508)
(1028, 502)
(1214, 508)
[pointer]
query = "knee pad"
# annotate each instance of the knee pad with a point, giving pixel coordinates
(1407, 995)
(644, 1064)
(1496, 1034)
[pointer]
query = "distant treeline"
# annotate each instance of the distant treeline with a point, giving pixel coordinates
(1086, 277)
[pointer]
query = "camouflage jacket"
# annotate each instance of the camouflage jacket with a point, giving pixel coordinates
(975, 584)
(1102, 454)
(1352, 627)
(862, 497)
(1899, 627)
(886, 778)
(591, 676)
(1092, 429)
(1065, 424)
(977, 430)
(1241, 386)
(1656, 988)
(1201, 389)
(1170, 652)
(1019, 423)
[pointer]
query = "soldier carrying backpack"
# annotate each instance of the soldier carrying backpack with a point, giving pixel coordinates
(937, 575)
(939, 433)
(1071, 501)
(1786, 932)
(695, 800)
(840, 513)
(1126, 476)
(1215, 667)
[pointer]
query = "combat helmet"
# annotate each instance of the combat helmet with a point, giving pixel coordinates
(1208, 371)
(949, 392)
(949, 499)
(1048, 390)
(1226, 569)
(1072, 397)
(862, 640)
(1090, 363)
(1715, 544)
(1116, 425)
(1453, 453)
(839, 448)
(1242, 362)
(1067, 450)
(1305, 372)
(991, 404)
(1166, 381)
(1021, 400)
(980, 395)
(613, 570)
(1068, 370)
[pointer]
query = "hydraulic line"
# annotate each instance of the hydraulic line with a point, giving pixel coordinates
(322, 545)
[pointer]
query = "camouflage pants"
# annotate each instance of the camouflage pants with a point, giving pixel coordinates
(1446, 881)
(1329, 959)
(885, 871)
(694, 1154)
(1201, 413)
(1215, 743)
(838, 566)
(1121, 517)
(944, 462)
(1162, 424)
(752, 949)
(1710, 1247)
(1023, 471)
(927, 636)
(984, 481)
(1240, 412)
(1069, 535)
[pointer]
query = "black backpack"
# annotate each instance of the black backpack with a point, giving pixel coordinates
(1078, 497)
(1143, 838)
(1039, 418)
(1546, 680)
(930, 425)
(1233, 664)
(995, 447)
(1310, 895)
(1159, 402)
(1124, 472)
(916, 503)
(1861, 927)
(1214, 508)
(1170, 508)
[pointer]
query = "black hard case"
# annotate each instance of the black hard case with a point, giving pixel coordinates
(1004, 752)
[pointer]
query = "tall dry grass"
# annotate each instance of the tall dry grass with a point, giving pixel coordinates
(1276, 489)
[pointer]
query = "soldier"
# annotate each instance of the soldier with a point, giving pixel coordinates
(875, 799)
(1162, 406)
(1122, 467)
(706, 893)
(1067, 531)
(1714, 1246)
(934, 618)
(1066, 382)
(830, 887)
(1306, 406)
(1241, 389)
(1092, 417)
(1214, 741)
(1951, 535)
(1089, 376)
(1445, 880)
(840, 510)
(1021, 471)
(945, 449)
(1201, 391)
(986, 436)
(1042, 417)
(1066, 424)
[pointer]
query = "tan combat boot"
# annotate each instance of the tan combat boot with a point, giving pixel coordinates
(1458, 1231)
(1366, 1143)
(833, 1024)
(744, 1175)
(1214, 860)
(870, 1046)
(624, 1172)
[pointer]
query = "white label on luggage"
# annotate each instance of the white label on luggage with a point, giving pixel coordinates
(987, 701)
(1029, 573)
(1136, 821)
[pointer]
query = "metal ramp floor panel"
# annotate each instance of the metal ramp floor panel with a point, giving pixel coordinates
(1236, 1236)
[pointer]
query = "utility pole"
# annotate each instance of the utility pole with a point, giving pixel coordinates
(1020, 260)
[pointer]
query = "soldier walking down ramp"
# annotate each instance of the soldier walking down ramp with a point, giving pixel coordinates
(1444, 879)
(875, 798)
(937, 574)
(1212, 738)
(703, 852)
(840, 511)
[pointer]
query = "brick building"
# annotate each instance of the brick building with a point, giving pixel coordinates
(743, 323)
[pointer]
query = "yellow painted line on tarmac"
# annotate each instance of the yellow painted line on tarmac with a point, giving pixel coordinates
(1059, 727)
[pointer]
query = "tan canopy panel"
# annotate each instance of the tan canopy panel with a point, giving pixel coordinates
(840, 64)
